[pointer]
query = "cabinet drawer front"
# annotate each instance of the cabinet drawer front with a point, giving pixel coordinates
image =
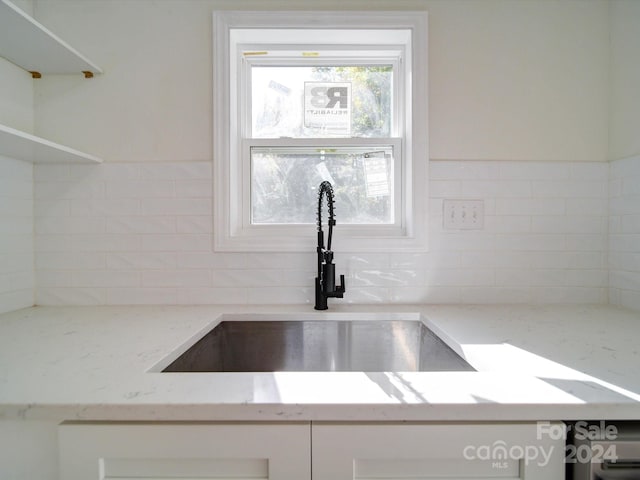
(436, 451)
(184, 451)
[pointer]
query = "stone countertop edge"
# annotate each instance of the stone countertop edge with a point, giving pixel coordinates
(534, 362)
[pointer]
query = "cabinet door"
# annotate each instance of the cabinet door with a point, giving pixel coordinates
(184, 451)
(437, 451)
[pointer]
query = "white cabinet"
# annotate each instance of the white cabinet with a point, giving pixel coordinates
(436, 451)
(303, 451)
(184, 451)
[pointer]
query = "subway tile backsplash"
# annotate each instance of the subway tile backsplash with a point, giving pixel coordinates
(624, 233)
(141, 233)
(16, 235)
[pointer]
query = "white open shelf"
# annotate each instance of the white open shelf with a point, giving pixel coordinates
(30, 45)
(24, 146)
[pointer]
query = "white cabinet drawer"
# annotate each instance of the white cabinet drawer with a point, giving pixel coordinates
(184, 451)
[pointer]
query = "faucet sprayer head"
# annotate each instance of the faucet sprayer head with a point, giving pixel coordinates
(326, 189)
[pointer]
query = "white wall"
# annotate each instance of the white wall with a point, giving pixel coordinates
(523, 82)
(624, 113)
(16, 235)
(624, 151)
(509, 80)
(16, 193)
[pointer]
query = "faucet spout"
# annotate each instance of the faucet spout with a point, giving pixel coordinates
(326, 279)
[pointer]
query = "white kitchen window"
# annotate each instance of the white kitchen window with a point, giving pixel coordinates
(303, 97)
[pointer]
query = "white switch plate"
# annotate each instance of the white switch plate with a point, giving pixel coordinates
(463, 215)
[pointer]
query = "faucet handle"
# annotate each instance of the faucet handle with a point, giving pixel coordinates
(340, 289)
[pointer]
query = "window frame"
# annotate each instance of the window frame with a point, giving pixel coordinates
(232, 203)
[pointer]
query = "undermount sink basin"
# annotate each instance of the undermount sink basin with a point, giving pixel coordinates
(319, 346)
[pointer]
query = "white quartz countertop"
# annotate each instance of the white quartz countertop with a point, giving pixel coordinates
(532, 362)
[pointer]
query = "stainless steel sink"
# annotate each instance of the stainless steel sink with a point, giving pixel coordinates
(319, 346)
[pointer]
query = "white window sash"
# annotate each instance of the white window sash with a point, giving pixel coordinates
(232, 141)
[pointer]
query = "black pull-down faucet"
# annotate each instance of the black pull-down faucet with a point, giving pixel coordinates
(326, 280)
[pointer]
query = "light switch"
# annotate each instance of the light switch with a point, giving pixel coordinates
(463, 215)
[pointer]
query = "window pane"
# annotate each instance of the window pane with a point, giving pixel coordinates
(321, 101)
(284, 184)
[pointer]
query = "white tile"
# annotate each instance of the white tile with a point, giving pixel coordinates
(69, 225)
(530, 206)
(631, 187)
(534, 170)
(16, 225)
(140, 189)
(529, 277)
(247, 278)
(104, 243)
(508, 223)
(628, 167)
(54, 278)
(587, 260)
(140, 224)
(386, 278)
(68, 190)
(48, 208)
(364, 295)
(630, 299)
(176, 171)
(587, 206)
(175, 206)
(571, 189)
(488, 295)
(10, 301)
(587, 278)
(104, 207)
(625, 280)
(628, 205)
(17, 280)
(194, 188)
(176, 243)
(70, 296)
(418, 260)
(280, 296)
(569, 224)
(496, 188)
(464, 241)
(427, 294)
(16, 243)
(630, 224)
(624, 243)
(141, 296)
(212, 260)
(459, 277)
(288, 260)
(212, 296)
(69, 260)
(445, 188)
(17, 262)
(570, 295)
(176, 278)
(142, 261)
(584, 243)
(194, 224)
(590, 170)
(105, 278)
(524, 242)
(120, 171)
